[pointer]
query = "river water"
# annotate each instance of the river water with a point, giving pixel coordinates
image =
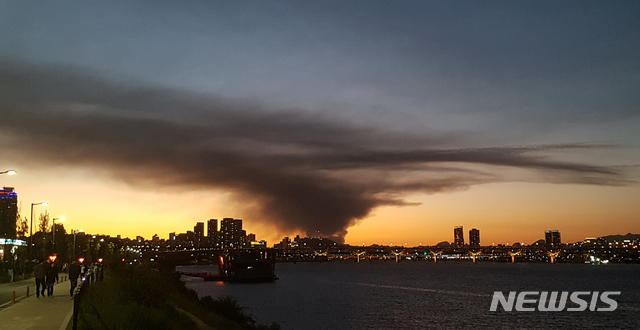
(424, 295)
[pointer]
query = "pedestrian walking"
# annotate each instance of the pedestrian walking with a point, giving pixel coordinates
(101, 272)
(39, 273)
(83, 271)
(74, 273)
(94, 272)
(51, 278)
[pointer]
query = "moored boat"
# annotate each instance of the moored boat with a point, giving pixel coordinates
(247, 266)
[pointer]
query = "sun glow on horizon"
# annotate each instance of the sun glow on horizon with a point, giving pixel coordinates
(503, 212)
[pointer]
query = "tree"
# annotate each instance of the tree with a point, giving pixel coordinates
(20, 259)
(23, 227)
(18, 220)
(43, 222)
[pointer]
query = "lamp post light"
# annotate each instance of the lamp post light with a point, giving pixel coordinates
(9, 172)
(31, 228)
(53, 230)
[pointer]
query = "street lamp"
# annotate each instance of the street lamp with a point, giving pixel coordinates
(31, 228)
(53, 230)
(9, 172)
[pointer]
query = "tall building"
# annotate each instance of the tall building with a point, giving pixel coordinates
(198, 229)
(251, 238)
(243, 239)
(231, 233)
(474, 237)
(555, 237)
(458, 236)
(284, 244)
(240, 234)
(8, 212)
(226, 230)
(552, 237)
(198, 233)
(212, 233)
(212, 227)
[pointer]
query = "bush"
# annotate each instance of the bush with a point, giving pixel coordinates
(131, 299)
(138, 298)
(229, 308)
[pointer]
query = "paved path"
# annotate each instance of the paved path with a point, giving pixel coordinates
(20, 288)
(40, 313)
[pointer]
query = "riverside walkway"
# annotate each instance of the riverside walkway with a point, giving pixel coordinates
(36, 313)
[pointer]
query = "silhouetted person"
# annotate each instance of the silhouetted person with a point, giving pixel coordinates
(101, 272)
(39, 273)
(51, 278)
(83, 271)
(74, 273)
(94, 272)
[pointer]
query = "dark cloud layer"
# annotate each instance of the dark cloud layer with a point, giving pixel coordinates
(304, 172)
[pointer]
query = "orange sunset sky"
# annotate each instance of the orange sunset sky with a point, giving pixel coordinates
(504, 212)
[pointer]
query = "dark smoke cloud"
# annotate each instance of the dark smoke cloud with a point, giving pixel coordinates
(305, 172)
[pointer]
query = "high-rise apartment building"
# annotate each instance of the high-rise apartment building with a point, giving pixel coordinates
(8, 212)
(552, 237)
(231, 233)
(555, 237)
(474, 237)
(198, 233)
(198, 229)
(212, 233)
(458, 236)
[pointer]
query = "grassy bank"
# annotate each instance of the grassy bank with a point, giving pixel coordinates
(138, 298)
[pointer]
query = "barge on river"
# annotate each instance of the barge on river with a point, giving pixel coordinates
(243, 266)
